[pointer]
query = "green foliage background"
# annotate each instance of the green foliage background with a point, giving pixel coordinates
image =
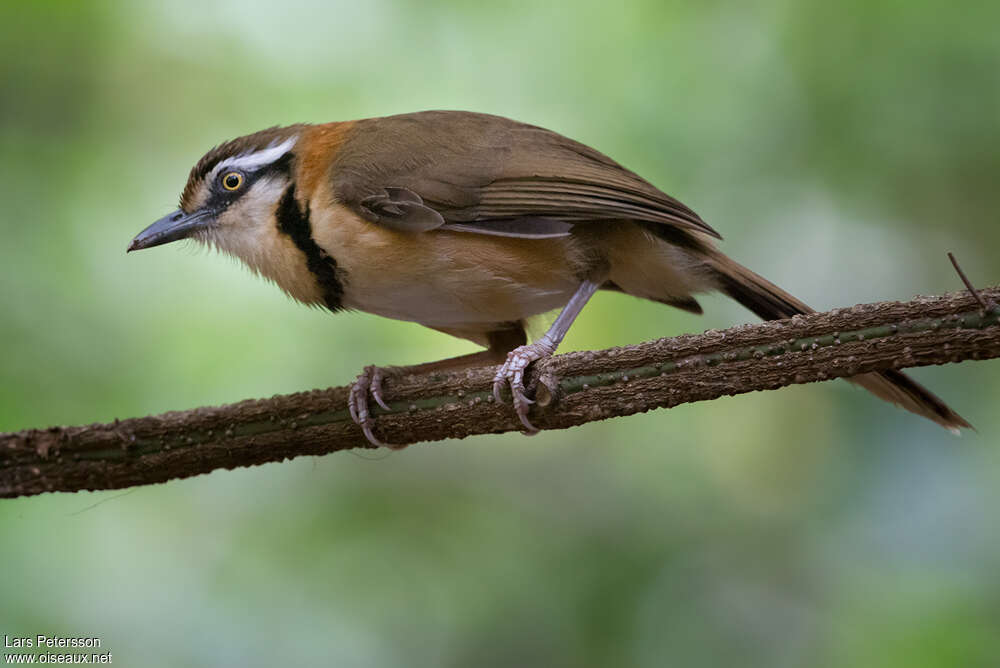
(841, 148)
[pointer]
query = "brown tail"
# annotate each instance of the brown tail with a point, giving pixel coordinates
(772, 303)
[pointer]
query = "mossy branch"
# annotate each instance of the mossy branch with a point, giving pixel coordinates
(573, 389)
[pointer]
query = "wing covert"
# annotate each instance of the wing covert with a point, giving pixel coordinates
(491, 175)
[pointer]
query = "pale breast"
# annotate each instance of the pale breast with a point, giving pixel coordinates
(445, 278)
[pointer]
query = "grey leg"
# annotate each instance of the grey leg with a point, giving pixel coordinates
(512, 371)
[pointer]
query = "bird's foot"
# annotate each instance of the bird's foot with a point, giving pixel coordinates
(512, 373)
(368, 383)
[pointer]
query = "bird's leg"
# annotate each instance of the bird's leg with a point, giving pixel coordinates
(512, 371)
(370, 380)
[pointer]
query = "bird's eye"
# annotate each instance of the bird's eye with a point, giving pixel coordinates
(232, 181)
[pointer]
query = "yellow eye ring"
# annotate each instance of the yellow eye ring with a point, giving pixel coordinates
(232, 181)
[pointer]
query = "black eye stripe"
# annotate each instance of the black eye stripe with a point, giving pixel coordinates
(222, 196)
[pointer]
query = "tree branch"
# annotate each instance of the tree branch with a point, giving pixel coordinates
(572, 389)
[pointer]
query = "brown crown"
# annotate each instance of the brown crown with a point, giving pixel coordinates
(258, 141)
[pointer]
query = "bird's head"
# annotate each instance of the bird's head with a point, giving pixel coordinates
(231, 193)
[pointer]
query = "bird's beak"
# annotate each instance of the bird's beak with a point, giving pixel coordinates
(173, 226)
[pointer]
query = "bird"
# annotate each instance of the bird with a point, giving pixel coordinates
(470, 224)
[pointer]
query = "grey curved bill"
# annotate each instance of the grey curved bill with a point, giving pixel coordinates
(172, 227)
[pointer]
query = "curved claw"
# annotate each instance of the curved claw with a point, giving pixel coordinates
(522, 413)
(378, 374)
(368, 382)
(497, 384)
(499, 380)
(366, 429)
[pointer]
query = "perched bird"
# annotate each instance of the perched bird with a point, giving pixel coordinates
(469, 224)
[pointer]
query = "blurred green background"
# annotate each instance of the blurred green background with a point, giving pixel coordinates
(841, 148)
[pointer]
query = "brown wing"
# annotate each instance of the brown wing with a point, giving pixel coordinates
(487, 174)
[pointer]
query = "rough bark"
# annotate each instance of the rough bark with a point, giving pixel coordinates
(572, 389)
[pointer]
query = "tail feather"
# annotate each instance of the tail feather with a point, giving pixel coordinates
(772, 303)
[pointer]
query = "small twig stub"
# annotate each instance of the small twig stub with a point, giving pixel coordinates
(987, 305)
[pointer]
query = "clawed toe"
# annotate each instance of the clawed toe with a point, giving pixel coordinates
(378, 374)
(511, 373)
(369, 382)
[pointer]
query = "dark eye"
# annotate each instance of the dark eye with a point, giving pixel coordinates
(232, 181)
